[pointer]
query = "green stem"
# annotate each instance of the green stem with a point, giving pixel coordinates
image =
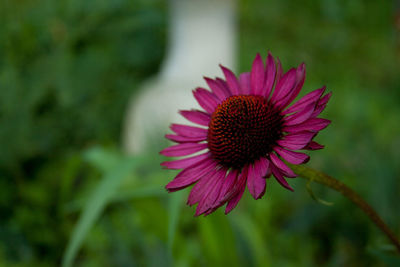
(331, 182)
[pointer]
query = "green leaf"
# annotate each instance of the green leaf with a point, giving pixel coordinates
(174, 207)
(313, 196)
(389, 259)
(101, 158)
(253, 237)
(144, 191)
(97, 201)
(218, 240)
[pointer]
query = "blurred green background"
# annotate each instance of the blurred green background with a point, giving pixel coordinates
(68, 194)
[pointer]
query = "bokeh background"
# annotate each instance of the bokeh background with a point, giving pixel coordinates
(68, 194)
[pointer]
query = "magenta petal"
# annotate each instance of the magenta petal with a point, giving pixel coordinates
(234, 201)
(263, 165)
(183, 149)
(189, 131)
(291, 156)
(282, 166)
(313, 146)
(270, 75)
(210, 197)
(238, 190)
(324, 100)
(290, 145)
(296, 140)
(220, 91)
(284, 86)
(191, 175)
(305, 100)
(299, 138)
(186, 162)
(241, 182)
(202, 187)
(279, 71)
(232, 81)
(259, 168)
(321, 105)
(312, 124)
(244, 80)
(184, 139)
(279, 177)
(300, 116)
(206, 99)
(268, 173)
(257, 76)
(317, 111)
(222, 83)
(228, 185)
(196, 116)
(255, 181)
(300, 77)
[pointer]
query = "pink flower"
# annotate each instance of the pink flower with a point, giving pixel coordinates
(246, 131)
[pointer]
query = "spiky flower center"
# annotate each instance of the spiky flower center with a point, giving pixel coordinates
(242, 129)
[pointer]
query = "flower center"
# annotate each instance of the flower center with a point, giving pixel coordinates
(242, 129)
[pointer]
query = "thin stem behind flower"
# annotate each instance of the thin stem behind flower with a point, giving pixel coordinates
(322, 178)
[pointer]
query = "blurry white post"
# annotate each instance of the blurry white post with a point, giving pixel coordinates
(202, 34)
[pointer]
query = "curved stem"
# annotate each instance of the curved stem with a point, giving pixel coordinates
(322, 178)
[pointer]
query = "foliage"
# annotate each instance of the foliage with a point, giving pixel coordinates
(67, 69)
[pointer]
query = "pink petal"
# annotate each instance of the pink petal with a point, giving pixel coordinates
(270, 75)
(199, 169)
(234, 201)
(296, 140)
(279, 72)
(279, 177)
(191, 175)
(224, 191)
(312, 124)
(292, 94)
(189, 131)
(186, 162)
(291, 156)
(284, 86)
(228, 184)
(211, 197)
(257, 76)
(317, 111)
(313, 146)
(183, 149)
(196, 116)
(263, 165)
(238, 190)
(300, 116)
(268, 174)
(241, 182)
(232, 81)
(255, 181)
(202, 187)
(220, 91)
(206, 99)
(324, 100)
(184, 139)
(305, 100)
(222, 83)
(321, 105)
(283, 168)
(244, 80)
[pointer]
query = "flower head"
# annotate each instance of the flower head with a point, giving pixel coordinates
(246, 131)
